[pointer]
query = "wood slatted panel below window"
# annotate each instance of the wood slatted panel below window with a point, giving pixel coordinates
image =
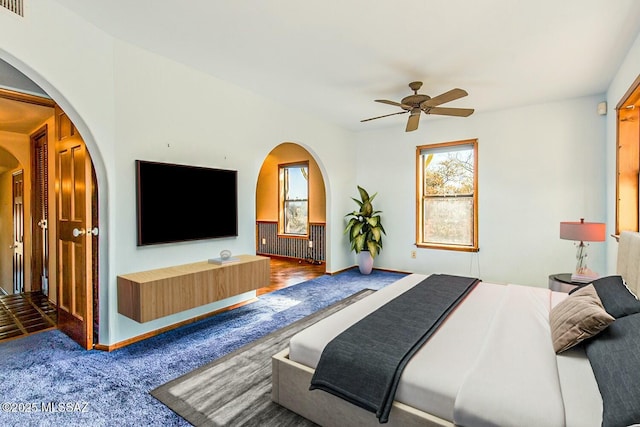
(271, 243)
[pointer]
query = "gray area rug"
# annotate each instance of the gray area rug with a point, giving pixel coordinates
(235, 390)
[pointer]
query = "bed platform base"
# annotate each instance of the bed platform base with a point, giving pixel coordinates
(290, 388)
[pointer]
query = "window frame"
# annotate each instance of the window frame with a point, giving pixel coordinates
(474, 247)
(282, 201)
(627, 161)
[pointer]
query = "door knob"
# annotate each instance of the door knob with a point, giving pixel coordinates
(94, 231)
(78, 232)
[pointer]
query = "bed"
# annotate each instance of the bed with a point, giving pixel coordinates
(493, 361)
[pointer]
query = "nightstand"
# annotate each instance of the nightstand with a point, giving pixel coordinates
(562, 282)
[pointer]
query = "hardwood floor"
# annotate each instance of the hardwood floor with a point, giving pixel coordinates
(290, 271)
(24, 314)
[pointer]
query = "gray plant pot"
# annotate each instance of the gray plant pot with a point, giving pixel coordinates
(365, 262)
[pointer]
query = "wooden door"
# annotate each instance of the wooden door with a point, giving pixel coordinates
(39, 209)
(74, 243)
(18, 231)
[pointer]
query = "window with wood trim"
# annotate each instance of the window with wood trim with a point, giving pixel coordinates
(294, 199)
(628, 161)
(447, 195)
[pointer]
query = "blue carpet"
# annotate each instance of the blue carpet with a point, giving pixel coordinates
(52, 381)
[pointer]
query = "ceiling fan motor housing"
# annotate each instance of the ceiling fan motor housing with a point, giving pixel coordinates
(413, 101)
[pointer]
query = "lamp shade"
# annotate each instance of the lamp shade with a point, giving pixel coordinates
(583, 231)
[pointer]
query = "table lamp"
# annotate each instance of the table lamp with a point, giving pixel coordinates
(582, 232)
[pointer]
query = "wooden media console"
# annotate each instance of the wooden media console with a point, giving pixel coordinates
(152, 294)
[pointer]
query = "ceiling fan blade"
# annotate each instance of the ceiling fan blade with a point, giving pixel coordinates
(386, 115)
(397, 104)
(449, 96)
(412, 123)
(443, 111)
(384, 101)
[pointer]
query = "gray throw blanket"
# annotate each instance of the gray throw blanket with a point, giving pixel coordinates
(364, 363)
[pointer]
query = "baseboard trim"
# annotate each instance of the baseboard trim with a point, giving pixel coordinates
(133, 340)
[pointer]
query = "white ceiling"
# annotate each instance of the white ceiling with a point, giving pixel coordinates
(21, 117)
(332, 58)
(17, 116)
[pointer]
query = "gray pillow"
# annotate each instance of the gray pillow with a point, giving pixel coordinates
(614, 355)
(616, 298)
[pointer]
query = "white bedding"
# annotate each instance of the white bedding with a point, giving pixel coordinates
(440, 380)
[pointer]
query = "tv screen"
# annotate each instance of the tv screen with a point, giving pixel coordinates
(179, 203)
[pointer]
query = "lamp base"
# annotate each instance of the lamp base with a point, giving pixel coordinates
(581, 257)
(584, 276)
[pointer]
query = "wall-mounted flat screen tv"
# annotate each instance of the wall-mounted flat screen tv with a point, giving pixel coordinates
(180, 203)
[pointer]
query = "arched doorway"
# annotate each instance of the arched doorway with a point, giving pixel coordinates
(290, 183)
(60, 210)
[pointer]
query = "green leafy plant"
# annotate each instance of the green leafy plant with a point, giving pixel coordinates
(365, 228)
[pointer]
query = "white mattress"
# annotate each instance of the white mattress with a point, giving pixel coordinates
(432, 379)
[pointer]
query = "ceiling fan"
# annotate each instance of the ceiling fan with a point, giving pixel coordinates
(417, 103)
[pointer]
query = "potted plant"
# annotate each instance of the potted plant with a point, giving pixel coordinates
(365, 231)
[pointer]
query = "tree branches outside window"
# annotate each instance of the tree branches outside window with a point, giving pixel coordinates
(294, 196)
(447, 196)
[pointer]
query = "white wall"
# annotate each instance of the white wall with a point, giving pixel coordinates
(538, 165)
(129, 104)
(624, 78)
(168, 112)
